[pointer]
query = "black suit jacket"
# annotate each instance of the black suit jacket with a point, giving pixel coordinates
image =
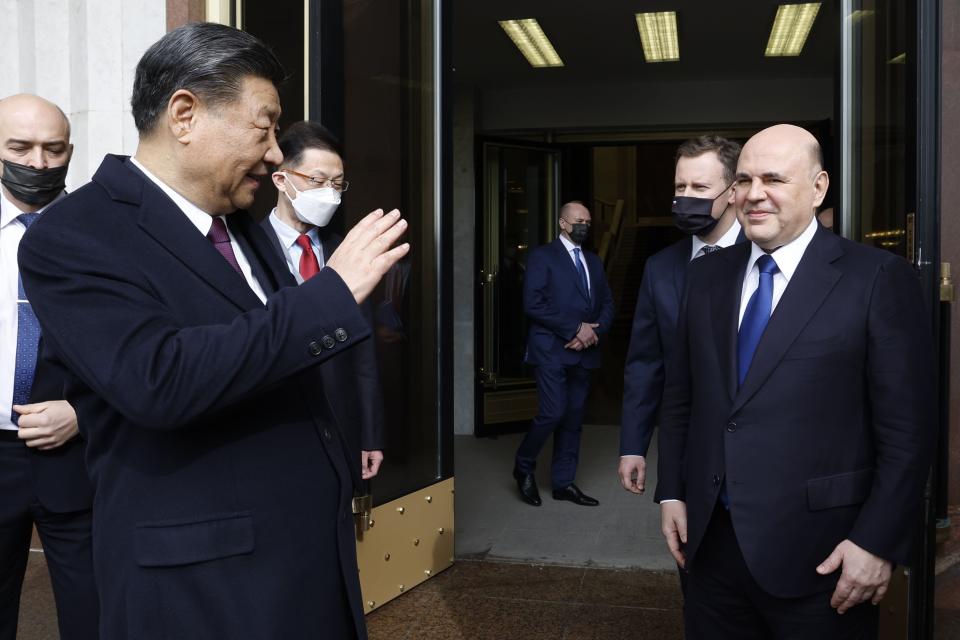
(222, 505)
(831, 434)
(556, 303)
(352, 382)
(59, 475)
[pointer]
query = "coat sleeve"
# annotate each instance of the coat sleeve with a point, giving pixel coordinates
(605, 299)
(675, 410)
(370, 395)
(902, 399)
(642, 374)
(538, 299)
(101, 317)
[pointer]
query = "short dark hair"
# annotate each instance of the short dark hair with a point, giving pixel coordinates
(304, 135)
(208, 59)
(727, 152)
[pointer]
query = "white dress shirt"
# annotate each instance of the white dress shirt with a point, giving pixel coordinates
(570, 247)
(726, 240)
(203, 221)
(292, 251)
(787, 258)
(11, 232)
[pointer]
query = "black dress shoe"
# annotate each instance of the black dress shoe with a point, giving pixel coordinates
(572, 493)
(528, 487)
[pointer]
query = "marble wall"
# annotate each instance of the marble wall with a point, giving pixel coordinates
(80, 54)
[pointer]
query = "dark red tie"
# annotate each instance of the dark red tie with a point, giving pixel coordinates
(308, 259)
(221, 241)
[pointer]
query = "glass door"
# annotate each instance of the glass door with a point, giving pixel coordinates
(888, 199)
(519, 193)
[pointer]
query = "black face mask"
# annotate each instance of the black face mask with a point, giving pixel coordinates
(579, 232)
(36, 187)
(692, 215)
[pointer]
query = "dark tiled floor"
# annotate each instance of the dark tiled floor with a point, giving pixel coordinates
(480, 600)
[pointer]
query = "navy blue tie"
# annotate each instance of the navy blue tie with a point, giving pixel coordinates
(756, 316)
(581, 270)
(28, 339)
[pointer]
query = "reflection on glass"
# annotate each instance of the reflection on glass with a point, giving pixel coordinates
(389, 146)
(882, 154)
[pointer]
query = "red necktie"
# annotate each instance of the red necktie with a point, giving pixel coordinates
(221, 241)
(308, 259)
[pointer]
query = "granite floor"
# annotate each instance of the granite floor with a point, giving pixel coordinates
(492, 523)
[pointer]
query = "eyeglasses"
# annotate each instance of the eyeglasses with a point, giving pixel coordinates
(339, 184)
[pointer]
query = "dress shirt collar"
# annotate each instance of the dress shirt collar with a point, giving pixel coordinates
(10, 211)
(288, 235)
(788, 256)
(569, 244)
(726, 240)
(200, 218)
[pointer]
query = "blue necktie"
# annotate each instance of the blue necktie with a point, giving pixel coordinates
(28, 338)
(756, 316)
(581, 270)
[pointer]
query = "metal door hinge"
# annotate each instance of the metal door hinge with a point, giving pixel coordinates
(946, 283)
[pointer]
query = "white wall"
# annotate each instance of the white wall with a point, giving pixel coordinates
(80, 54)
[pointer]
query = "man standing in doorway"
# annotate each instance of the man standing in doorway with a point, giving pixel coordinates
(568, 301)
(310, 183)
(43, 480)
(222, 477)
(798, 423)
(703, 209)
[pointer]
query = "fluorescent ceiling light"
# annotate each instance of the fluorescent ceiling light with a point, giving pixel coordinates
(900, 59)
(791, 28)
(658, 33)
(532, 42)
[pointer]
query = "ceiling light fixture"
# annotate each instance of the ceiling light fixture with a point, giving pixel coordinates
(532, 42)
(791, 28)
(658, 34)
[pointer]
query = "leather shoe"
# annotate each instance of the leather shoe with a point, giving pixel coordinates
(572, 493)
(528, 487)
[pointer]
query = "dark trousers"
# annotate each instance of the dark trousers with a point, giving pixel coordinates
(724, 602)
(562, 392)
(66, 544)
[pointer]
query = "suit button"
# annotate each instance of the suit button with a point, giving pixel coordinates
(716, 479)
(315, 348)
(328, 342)
(340, 335)
(731, 427)
(327, 435)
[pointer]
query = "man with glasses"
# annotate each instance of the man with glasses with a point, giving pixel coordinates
(310, 183)
(568, 302)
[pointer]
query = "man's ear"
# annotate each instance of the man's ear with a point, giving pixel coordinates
(183, 109)
(820, 185)
(733, 194)
(279, 180)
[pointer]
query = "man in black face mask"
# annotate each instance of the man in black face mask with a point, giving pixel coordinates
(703, 209)
(568, 302)
(43, 481)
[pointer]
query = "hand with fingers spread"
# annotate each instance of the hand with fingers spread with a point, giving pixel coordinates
(864, 576)
(633, 473)
(673, 525)
(365, 254)
(46, 425)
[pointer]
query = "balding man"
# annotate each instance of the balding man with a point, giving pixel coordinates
(797, 425)
(43, 481)
(568, 304)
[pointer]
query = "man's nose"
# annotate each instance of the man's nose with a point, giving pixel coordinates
(273, 155)
(756, 192)
(35, 159)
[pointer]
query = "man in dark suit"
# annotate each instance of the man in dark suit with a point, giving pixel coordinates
(310, 181)
(702, 208)
(797, 416)
(223, 486)
(43, 481)
(568, 301)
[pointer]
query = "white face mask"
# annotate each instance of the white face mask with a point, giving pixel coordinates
(314, 206)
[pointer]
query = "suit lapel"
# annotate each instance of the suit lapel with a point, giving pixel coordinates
(814, 278)
(725, 311)
(255, 244)
(567, 259)
(681, 263)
